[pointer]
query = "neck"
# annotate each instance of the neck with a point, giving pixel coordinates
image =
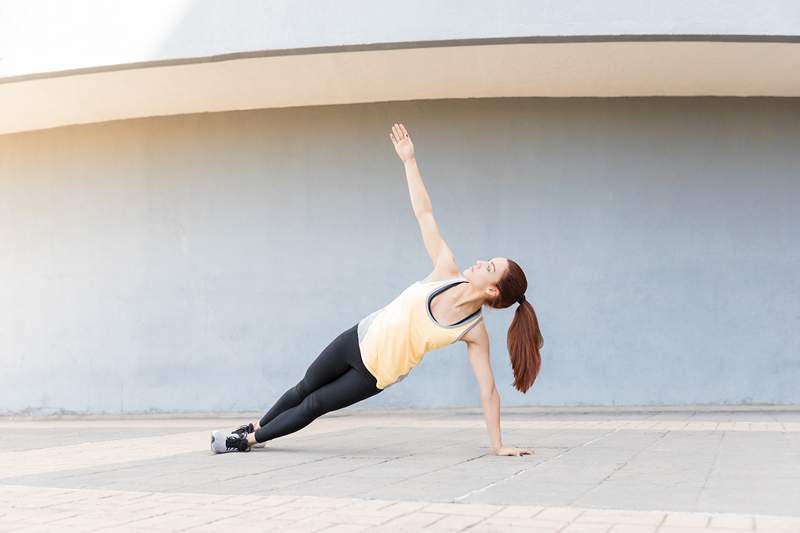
(467, 298)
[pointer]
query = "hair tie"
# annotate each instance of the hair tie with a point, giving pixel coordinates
(521, 299)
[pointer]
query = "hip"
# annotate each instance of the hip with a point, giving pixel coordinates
(353, 354)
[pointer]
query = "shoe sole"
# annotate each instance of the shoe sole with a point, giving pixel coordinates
(222, 436)
(214, 438)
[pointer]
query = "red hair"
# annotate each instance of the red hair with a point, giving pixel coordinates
(524, 337)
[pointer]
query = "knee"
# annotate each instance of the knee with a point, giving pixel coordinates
(302, 389)
(315, 405)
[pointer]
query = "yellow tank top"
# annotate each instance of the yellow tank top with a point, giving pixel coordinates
(394, 339)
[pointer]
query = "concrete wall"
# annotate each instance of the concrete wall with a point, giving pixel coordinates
(203, 261)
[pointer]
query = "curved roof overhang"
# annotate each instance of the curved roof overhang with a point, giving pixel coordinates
(588, 66)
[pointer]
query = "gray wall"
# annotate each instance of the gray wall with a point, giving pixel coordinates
(202, 261)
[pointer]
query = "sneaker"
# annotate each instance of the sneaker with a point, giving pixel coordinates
(244, 430)
(248, 428)
(222, 442)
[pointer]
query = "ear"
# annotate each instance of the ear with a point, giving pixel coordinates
(492, 291)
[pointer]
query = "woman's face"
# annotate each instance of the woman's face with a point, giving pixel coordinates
(486, 274)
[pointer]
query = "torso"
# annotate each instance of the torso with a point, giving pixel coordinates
(394, 338)
(443, 307)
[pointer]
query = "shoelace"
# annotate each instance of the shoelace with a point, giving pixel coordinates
(244, 430)
(234, 443)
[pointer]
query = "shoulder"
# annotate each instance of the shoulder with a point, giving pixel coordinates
(446, 267)
(434, 277)
(477, 334)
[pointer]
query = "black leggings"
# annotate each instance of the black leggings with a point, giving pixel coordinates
(336, 379)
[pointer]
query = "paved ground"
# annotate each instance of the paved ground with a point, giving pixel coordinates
(593, 470)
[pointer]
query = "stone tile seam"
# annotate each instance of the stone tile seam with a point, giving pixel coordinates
(388, 503)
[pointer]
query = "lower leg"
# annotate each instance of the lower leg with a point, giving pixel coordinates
(290, 398)
(346, 390)
(329, 365)
(289, 421)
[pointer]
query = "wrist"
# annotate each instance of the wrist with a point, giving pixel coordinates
(410, 160)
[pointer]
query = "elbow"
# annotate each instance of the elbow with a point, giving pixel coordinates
(427, 210)
(489, 395)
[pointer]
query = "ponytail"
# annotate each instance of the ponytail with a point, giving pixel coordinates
(524, 336)
(524, 342)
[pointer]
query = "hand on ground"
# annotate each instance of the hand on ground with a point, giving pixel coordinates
(513, 451)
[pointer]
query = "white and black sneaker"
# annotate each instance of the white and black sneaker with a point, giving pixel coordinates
(248, 428)
(244, 430)
(223, 442)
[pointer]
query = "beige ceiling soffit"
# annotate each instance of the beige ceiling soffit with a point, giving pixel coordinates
(367, 47)
(607, 69)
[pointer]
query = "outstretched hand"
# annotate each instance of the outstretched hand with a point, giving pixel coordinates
(402, 142)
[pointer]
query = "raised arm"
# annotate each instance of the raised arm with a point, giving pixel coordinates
(477, 340)
(441, 255)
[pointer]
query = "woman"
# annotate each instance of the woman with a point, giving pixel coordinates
(384, 346)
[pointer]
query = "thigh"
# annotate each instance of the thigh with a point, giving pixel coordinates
(331, 363)
(347, 389)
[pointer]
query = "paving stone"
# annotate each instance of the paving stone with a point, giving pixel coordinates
(778, 523)
(458, 522)
(677, 519)
(603, 470)
(560, 514)
(526, 522)
(518, 511)
(417, 520)
(732, 521)
(346, 528)
(614, 516)
(463, 509)
(632, 528)
(586, 528)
